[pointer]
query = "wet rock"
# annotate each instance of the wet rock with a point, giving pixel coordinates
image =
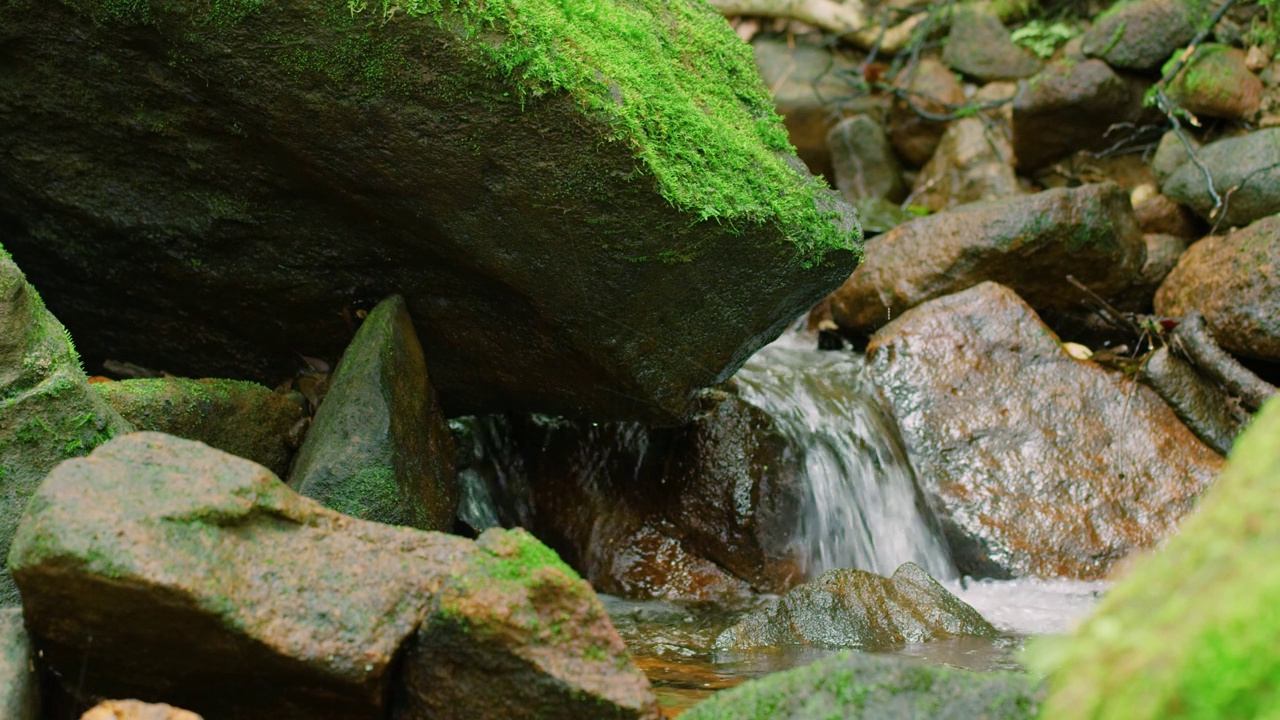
(1161, 215)
(137, 710)
(854, 608)
(19, 683)
(1232, 280)
(242, 418)
(1068, 107)
(1189, 631)
(1217, 82)
(47, 410)
(1206, 408)
(972, 163)
(862, 686)
(1141, 34)
(932, 88)
(1170, 155)
(979, 46)
(379, 448)
(1248, 166)
(864, 163)
(289, 167)
(1037, 463)
(1031, 243)
(203, 579)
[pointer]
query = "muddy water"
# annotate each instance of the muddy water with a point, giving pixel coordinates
(672, 642)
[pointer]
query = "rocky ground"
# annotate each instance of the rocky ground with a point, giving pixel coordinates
(473, 311)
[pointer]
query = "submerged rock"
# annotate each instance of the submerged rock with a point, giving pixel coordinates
(859, 686)
(1190, 631)
(979, 46)
(1142, 34)
(551, 188)
(855, 608)
(1038, 464)
(242, 418)
(1234, 281)
(1249, 166)
(379, 448)
(1032, 243)
(137, 710)
(48, 412)
(19, 683)
(202, 579)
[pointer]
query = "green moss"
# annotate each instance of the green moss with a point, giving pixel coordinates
(515, 555)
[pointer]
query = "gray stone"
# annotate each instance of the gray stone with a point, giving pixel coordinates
(865, 166)
(1171, 154)
(48, 412)
(19, 682)
(1248, 166)
(199, 577)
(1036, 463)
(979, 46)
(1142, 34)
(973, 162)
(1206, 408)
(379, 448)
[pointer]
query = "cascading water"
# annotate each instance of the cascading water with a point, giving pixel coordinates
(863, 509)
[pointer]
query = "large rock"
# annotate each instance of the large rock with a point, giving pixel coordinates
(1069, 107)
(1142, 34)
(855, 608)
(48, 413)
(241, 418)
(1217, 82)
(979, 46)
(19, 683)
(198, 577)
(379, 448)
(1038, 463)
(973, 162)
(1191, 630)
(1233, 281)
(1032, 243)
(213, 188)
(860, 686)
(1248, 166)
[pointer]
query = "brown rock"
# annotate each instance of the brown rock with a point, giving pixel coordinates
(1234, 281)
(934, 88)
(864, 163)
(1031, 243)
(1160, 214)
(979, 46)
(137, 710)
(1162, 255)
(1038, 463)
(1217, 82)
(973, 162)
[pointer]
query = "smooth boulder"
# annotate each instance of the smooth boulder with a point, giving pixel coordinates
(1233, 281)
(1248, 166)
(855, 608)
(379, 448)
(242, 418)
(551, 187)
(48, 412)
(1037, 463)
(204, 580)
(1031, 243)
(1190, 631)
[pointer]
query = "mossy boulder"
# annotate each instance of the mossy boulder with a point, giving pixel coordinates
(196, 576)
(1246, 165)
(238, 417)
(48, 413)
(379, 448)
(19, 683)
(1191, 630)
(855, 608)
(1217, 82)
(858, 686)
(553, 188)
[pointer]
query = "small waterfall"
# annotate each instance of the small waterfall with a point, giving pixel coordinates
(864, 509)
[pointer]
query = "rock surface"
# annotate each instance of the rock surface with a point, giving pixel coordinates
(1234, 282)
(379, 448)
(1204, 406)
(1171, 154)
(1031, 243)
(1141, 34)
(1190, 631)
(863, 161)
(137, 710)
(854, 608)
(1160, 214)
(979, 46)
(19, 683)
(47, 410)
(972, 163)
(203, 579)
(933, 88)
(1250, 164)
(290, 164)
(242, 418)
(1217, 82)
(1037, 463)
(860, 686)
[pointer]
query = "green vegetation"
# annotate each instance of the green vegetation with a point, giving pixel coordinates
(1044, 38)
